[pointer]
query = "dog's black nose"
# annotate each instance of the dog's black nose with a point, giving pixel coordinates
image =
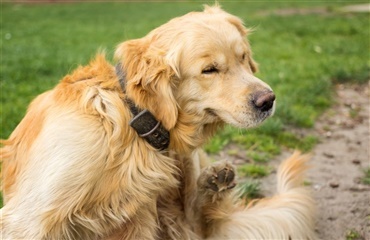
(263, 100)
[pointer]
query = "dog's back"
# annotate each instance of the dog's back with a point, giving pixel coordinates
(64, 165)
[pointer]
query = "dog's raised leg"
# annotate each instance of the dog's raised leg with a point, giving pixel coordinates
(289, 214)
(214, 200)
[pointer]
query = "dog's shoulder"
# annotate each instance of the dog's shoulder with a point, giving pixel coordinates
(96, 80)
(99, 72)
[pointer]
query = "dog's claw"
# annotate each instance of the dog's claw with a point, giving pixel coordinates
(231, 186)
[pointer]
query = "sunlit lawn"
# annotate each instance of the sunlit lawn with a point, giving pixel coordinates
(300, 56)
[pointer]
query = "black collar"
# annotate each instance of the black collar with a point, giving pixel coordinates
(143, 121)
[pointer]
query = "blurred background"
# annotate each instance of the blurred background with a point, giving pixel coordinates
(304, 49)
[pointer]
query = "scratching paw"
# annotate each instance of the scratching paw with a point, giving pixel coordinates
(218, 177)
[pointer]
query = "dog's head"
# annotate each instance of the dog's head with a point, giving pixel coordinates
(201, 65)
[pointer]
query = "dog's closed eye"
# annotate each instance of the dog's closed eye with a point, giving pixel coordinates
(244, 56)
(210, 69)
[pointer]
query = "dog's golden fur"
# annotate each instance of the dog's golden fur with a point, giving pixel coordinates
(74, 169)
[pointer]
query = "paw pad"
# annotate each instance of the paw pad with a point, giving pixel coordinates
(221, 180)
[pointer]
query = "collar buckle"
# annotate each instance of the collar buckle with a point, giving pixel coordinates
(151, 130)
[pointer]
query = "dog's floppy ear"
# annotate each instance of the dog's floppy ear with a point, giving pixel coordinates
(148, 79)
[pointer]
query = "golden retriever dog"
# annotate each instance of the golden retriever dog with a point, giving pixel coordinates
(113, 152)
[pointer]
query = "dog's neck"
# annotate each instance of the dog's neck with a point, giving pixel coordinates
(188, 134)
(144, 123)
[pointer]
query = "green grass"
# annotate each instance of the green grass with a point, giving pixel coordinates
(253, 170)
(250, 190)
(300, 57)
(366, 177)
(353, 235)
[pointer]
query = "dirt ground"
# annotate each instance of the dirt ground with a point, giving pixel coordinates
(337, 165)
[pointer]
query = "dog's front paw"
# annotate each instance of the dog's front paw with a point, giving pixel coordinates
(218, 177)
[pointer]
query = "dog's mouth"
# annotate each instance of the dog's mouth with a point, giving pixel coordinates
(263, 115)
(212, 116)
(242, 119)
(211, 112)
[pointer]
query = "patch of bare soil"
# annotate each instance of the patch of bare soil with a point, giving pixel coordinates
(338, 161)
(338, 164)
(296, 11)
(317, 10)
(357, 8)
